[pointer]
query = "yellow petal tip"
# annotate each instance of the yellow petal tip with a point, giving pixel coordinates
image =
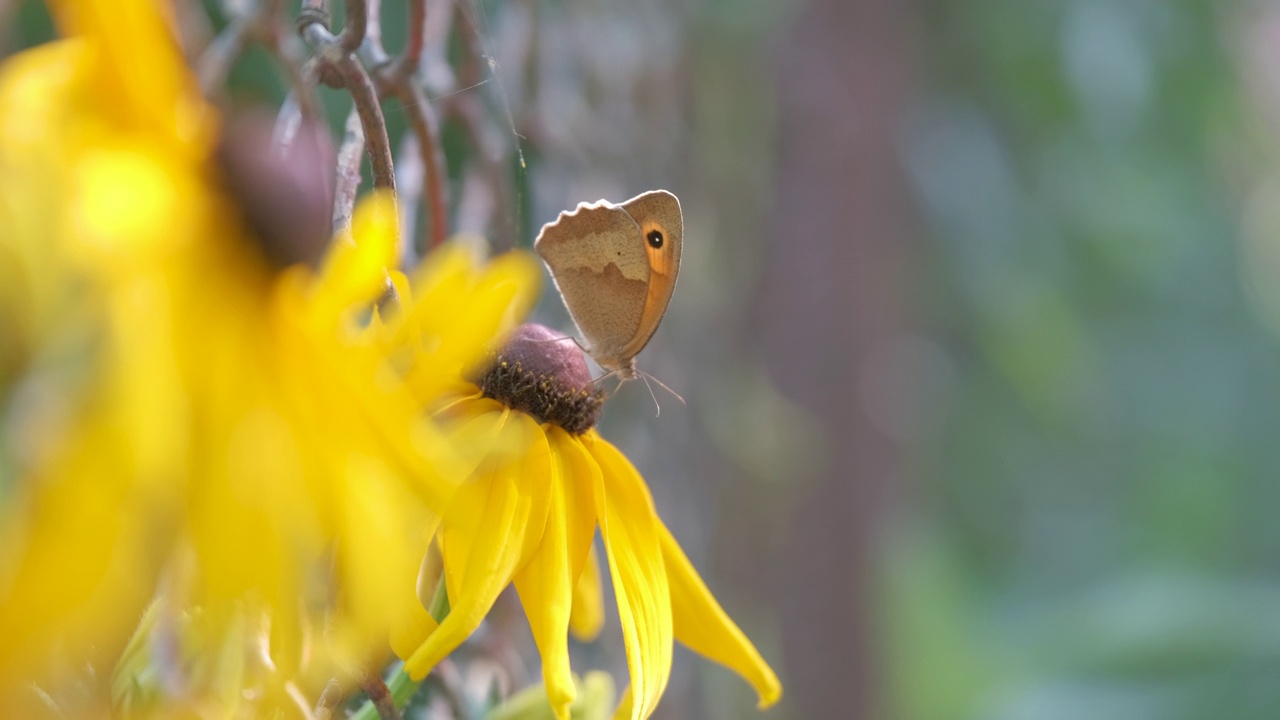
(770, 697)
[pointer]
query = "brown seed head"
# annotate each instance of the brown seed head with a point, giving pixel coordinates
(541, 372)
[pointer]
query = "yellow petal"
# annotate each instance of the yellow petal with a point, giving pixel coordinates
(139, 78)
(517, 277)
(703, 626)
(441, 284)
(543, 585)
(630, 529)
(518, 454)
(536, 483)
(587, 617)
(581, 476)
(354, 273)
(581, 481)
(404, 290)
(379, 558)
(474, 428)
(443, 272)
(475, 588)
(380, 416)
(492, 300)
(625, 706)
(75, 564)
(546, 583)
(411, 622)
(411, 625)
(375, 225)
(483, 540)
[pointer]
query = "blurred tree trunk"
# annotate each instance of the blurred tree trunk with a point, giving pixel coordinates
(837, 284)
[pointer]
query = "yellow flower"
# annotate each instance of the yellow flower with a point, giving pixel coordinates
(101, 187)
(375, 466)
(544, 480)
(173, 399)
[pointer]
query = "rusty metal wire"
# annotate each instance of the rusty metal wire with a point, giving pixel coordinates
(353, 58)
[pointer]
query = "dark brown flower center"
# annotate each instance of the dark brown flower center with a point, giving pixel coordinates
(542, 372)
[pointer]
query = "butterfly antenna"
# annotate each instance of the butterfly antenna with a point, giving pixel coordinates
(645, 377)
(662, 385)
(600, 381)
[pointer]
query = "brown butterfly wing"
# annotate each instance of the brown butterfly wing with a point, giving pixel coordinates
(656, 211)
(598, 261)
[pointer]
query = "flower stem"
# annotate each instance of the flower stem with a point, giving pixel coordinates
(439, 607)
(403, 687)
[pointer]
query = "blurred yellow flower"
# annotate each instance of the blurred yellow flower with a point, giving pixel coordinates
(544, 480)
(175, 406)
(101, 188)
(382, 490)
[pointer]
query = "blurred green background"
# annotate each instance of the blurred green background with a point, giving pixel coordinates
(977, 327)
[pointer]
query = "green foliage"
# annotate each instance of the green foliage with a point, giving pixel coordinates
(1105, 543)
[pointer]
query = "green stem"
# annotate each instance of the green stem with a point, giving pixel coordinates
(439, 607)
(401, 685)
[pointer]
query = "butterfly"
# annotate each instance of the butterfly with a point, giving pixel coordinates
(615, 267)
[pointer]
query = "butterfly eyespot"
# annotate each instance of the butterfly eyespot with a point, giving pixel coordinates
(655, 239)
